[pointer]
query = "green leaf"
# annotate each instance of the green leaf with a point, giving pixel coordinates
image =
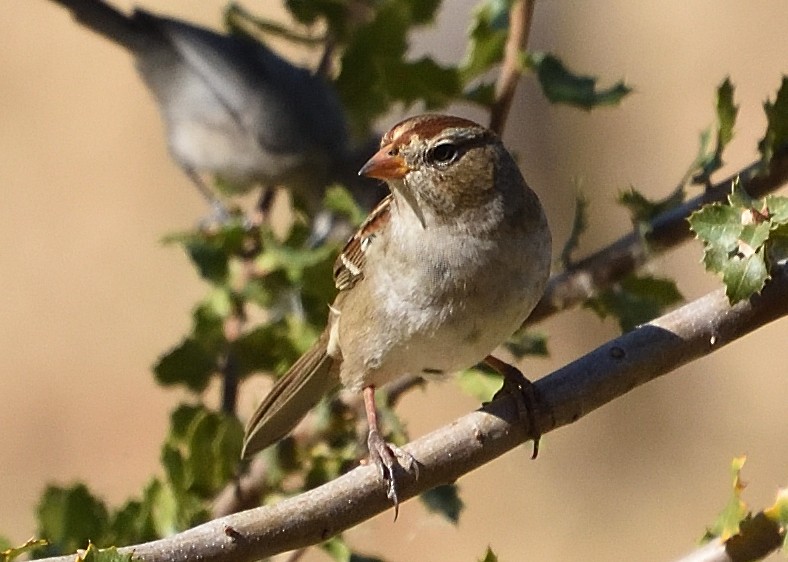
(482, 385)
(339, 200)
(562, 86)
(444, 500)
(776, 137)
(189, 363)
(131, 524)
(718, 225)
(527, 342)
(744, 276)
(211, 250)
(9, 553)
(643, 210)
(375, 73)
(489, 556)
(708, 162)
(778, 209)
(93, 554)
(268, 347)
(487, 39)
(338, 550)
(635, 300)
(423, 80)
(728, 521)
(579, 226)
(726, 114)
(69, 518)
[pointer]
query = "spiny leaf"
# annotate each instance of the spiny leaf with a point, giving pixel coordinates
(444, 500)
(744, 276)
(562, 86)
(776, 137)
(718, 225)
(726, 112)
(728, 521)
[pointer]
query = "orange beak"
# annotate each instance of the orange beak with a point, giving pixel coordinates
(385, 165)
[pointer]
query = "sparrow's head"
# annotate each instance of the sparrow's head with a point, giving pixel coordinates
(442, 165)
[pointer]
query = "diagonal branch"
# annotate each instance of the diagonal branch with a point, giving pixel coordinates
(654, 349)
(605, 267)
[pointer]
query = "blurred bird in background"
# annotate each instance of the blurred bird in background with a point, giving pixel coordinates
(237, 111)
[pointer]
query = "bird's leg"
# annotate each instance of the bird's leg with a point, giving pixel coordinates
(264, 204)
(386, 456)
(516, 385)
(219, 213)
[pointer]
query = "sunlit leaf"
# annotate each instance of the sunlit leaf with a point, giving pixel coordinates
(94, 554)
(744, 276)
(482, 385)
(727, 523)
(9, 553)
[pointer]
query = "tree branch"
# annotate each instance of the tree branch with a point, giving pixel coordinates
(520, 17)
(605, 267)
(654, 349)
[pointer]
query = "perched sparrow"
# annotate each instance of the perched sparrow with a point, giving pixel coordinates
(231, 106)
(444, 270)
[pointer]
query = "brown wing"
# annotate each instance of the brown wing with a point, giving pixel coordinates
(349, 267)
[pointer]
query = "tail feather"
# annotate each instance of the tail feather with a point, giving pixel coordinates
(132, 32)
(291, 398)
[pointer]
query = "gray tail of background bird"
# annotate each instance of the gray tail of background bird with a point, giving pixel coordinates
(309, 379)
(132, 32)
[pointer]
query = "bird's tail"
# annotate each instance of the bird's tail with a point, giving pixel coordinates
(298, 391)
(131, 32)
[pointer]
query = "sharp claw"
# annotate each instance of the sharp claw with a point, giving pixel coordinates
(387, 457)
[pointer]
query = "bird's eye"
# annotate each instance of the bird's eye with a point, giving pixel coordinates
(443, 153)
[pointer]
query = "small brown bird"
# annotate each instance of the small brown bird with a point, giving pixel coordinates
(443, 271)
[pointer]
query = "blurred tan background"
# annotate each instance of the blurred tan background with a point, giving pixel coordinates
(89, 297)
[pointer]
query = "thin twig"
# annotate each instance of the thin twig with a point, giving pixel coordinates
(697, 329)
(520, 17)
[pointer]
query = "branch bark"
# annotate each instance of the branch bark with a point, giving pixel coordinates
(520, 17)
(654, 349)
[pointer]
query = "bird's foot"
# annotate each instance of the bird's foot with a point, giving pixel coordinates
(516, 385)
(389, 460)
